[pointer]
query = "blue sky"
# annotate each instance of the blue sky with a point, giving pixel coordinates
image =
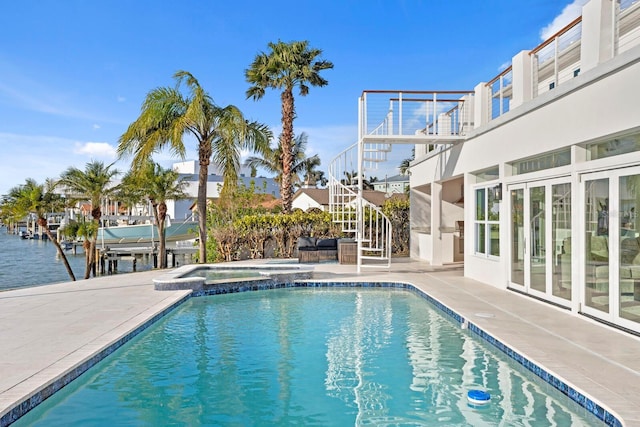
(74, 73)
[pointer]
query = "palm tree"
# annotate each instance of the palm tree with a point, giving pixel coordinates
(351, 179)
(9, 213)
(157, 185)
(405, 165)
(39, 199)
(311, 175)
(221, 133)
(287, 65)
(93, 184)
(271, 159)
(85, 230)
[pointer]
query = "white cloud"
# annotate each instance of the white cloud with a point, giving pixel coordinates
(568, 14)
(43, 156)
(95, 149)
(96, 126)
(504, 66)
(121, 98)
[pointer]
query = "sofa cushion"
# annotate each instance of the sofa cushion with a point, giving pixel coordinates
(629, 250)
(307, 243)
(599, 247)
(324, 244)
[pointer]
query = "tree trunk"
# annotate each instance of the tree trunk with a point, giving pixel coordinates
(161, 215)
(86, 245)
(286, 139)
(96, 213)
(91, 259)
(42, 222)
(204, 154)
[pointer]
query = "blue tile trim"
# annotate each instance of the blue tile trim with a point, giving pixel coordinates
(582, 400)
(273, 283)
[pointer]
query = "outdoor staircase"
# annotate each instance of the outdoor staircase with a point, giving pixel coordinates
(358, 217)
(433, 119)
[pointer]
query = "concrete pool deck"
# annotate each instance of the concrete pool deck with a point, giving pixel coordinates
(50, 330)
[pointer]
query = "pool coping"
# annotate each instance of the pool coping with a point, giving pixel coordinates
(581, 398)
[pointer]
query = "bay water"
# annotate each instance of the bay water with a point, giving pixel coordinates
(35, 262)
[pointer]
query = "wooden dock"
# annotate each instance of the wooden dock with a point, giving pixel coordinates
(109, 257)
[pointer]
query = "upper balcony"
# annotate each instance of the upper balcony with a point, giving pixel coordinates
(605, 30)
(413, 117)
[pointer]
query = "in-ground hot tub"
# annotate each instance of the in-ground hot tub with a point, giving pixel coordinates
(231, 277)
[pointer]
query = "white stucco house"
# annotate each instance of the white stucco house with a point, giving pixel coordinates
(309, 198)
(532, 177)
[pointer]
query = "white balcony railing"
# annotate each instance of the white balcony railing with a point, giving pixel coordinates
(407, 116)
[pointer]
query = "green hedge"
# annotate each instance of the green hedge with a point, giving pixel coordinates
(256, 234)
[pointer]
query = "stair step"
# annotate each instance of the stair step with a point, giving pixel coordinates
(386, 265)
(376, 150)
(374, 257)
(372, 249)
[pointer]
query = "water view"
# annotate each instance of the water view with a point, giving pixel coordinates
(31, 262)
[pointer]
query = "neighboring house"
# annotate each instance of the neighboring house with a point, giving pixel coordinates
(535, 173)
(85, 210)
(181, 209)
(113, 212)
(393, 185)
(308, 198)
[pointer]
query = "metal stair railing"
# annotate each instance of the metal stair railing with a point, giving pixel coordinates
(357, 216)
(341, 192)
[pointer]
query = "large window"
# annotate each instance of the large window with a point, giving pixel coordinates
(543, 162)
(613, 147)
(596, 209)
(487, 220)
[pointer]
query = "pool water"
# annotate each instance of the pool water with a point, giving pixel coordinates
(306, 357)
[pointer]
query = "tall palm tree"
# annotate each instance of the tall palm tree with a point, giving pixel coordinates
(93, 183)
(39, 200)
(286, 66)
(167, 115)
(312, 175)
(271, 159)
(157, 185)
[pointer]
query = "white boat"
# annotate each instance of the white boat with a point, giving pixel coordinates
(147, 233)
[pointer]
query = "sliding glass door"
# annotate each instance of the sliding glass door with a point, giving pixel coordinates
(540, 236)
(612, 246)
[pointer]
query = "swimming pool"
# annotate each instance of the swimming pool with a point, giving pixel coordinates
(307, 356)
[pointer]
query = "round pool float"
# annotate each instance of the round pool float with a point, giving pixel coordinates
(478, 397)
